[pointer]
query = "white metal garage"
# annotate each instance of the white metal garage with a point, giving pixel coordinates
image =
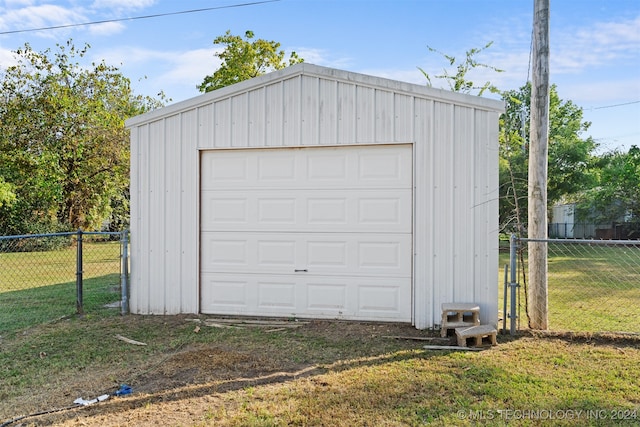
(315, 192)
(313, 232)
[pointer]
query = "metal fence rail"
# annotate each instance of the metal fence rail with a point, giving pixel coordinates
(593, 285)
(48, 276)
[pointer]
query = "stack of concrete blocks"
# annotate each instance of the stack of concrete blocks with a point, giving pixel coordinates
(464, 319)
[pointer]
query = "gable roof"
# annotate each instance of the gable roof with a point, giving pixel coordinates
(307, 69)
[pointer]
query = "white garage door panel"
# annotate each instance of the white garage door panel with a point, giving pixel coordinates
(352, 254)
(307, 296)
(310, 232)
(381, 166)
(306, 210)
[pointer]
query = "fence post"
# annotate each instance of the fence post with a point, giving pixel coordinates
(514, 276)
(79, 306)
(124, 303)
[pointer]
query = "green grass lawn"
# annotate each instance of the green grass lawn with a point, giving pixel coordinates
(590, 288)
(37, 287)
(321, 374)
(324, 373)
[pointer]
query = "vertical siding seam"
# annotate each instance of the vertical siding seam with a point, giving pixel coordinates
(318, 102)
(283, 117)
(180, 219)
(413, 210)
(474, 203)
(249, 142)
(300, 109)
(394, 116)
(336, 134)
(452, 199)
(356, 103)
(431, 201)
(265, 138)
(373, 121)
(228, 133)
(148, 237)
(163, 255)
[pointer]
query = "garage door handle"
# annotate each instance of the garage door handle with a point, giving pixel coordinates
(300, 271)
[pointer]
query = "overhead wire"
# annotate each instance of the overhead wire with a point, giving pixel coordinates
(616, 105)
(133, 18)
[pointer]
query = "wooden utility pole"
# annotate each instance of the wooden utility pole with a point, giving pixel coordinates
(538, 153)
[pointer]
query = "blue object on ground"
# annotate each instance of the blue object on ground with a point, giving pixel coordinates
(124, 389)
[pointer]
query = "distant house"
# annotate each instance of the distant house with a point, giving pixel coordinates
(318, 193)
(566, 223)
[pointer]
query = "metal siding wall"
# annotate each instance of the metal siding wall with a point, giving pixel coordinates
(172, 184)
(205, 127)
(188, 225)
(384, 116)
(442, 207)
(346, 113)
(309, 100)
(423, 280)
(365, 104)
(463, 204)
(257, 126)
(140, 271)
(486, 218)
(156, 221)
(327, 112)
(134, 226)
(403, 118)
(274, 115)
(222, 119)
(291, 116)
(240, 120)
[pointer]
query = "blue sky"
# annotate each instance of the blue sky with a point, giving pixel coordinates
(595, 44)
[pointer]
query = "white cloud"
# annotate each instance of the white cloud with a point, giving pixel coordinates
(106, 28)
(7, 58)
(181, 71)
(122, 4)
(190, 67)
(32, 17)
(322, 57)
(603, 92)
(599, 45)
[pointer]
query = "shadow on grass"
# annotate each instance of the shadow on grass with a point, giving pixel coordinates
(27, 308)
(323, 392)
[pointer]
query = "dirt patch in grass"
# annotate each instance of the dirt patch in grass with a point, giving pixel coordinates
(182, 359)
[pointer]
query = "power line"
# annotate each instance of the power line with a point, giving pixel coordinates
(616, 105)
(133, 18)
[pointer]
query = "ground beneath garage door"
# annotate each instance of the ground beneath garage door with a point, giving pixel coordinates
(187, 358)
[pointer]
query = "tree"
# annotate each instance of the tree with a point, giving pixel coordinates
(63, 144)
(459, 82)
(571, 162)
(243, 59)
(616, 197)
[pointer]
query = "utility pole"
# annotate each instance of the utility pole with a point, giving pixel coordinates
(538, 153)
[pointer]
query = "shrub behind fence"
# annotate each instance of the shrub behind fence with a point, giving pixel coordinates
(49, 276)
(593, 285)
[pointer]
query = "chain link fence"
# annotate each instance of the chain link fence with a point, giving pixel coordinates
(593, 286)
(49, 276)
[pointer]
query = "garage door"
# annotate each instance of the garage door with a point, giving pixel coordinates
(310, 232)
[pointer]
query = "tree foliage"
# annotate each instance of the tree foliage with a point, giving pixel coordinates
(243, 59)
(64, 150)
(458, 82)
(616, 196)
(570, 163)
